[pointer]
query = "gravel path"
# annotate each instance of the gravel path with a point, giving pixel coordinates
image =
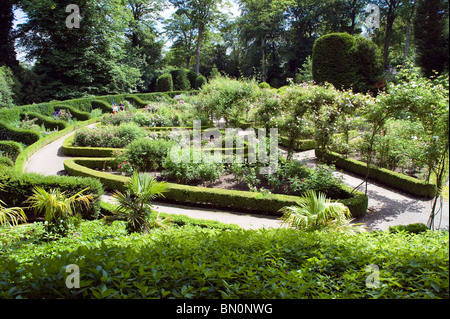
(387, 206)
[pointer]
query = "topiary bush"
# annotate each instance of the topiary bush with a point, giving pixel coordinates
(347, 62)
(334, 60)
(200, 81)
(180, 80)
(164, 83)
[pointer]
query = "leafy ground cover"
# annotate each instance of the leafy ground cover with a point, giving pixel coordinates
(193, 262)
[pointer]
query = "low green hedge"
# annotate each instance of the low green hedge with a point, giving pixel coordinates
(107, 209)
(10, 148)
(77, 114)
(9, 132)
(399, 181)
(299, 145)
(266, 204)
(47, 121)
(70, 150)
(30, 150)
(19, 186)
(102, 105)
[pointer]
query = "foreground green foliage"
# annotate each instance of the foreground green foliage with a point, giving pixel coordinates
(191, 262)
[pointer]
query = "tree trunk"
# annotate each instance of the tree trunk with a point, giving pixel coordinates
(408, 32)
(199, 43)
(263, 62)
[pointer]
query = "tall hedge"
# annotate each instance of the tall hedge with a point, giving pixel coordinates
(180, 80)
(334, 60)
(164, 83)
(347, 62)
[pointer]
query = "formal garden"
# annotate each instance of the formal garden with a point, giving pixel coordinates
(129, 155)
(139, 128)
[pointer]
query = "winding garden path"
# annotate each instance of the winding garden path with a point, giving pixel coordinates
(387, 206)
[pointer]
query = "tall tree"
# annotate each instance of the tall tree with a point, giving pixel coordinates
(143, 50)
(201, 13)
(261, 22)
(390, 10)
(78, 61)
(8, 53)
(431, 37)
(184, 36)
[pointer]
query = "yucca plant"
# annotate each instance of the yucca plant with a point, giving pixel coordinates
(11, 215)
(58, 208)
(134, 206)
(316, 212)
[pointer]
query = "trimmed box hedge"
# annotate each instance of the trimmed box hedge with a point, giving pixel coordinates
(77, 114)
(266, 204)
(11, 148)
(20, 187)
(396, 180)
(70, 150)
(299, 145)
(9, 132)
(47, 121)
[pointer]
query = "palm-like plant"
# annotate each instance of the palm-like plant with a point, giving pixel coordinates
(11, 215)
(134, 205)
(58, 208)
(316, 212)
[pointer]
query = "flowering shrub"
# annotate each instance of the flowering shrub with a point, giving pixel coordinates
(105, 136)
(62, 115)
(117, 119)
(126, 168)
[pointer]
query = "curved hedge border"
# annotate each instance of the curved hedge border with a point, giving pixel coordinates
(299, 145)
(266, 204)
(9, 132)
(23, 157)
(48, 121)
(399, 181)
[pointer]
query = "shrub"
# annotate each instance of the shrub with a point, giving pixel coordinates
(18, 187)
(164, 83)
(416, 228)
(105, 136)
(8, 132)
(48, 122)
(239, 264)
(5, 161)
(146, 154)
(77, 114)
(200, 81)
(334, 60)
(102, 105)
(264, 85)
(10, 148)
(180, 80)
(129, 132)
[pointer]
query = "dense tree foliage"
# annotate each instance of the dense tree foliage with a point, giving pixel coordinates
(120, 45)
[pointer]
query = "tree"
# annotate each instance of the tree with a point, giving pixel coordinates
(334, 60)
(201, 13)
(390, 9)
(430, 36)
(76, 62)
(260, 22)
(8, 52)
(181, 30)
(143, 50)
